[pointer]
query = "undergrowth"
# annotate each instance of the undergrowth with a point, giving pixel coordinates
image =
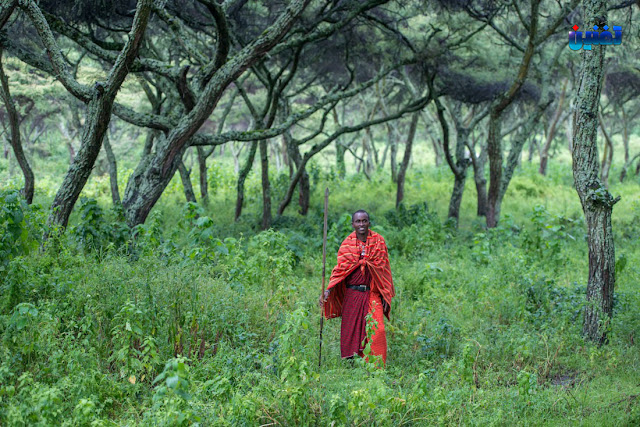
(190, 319)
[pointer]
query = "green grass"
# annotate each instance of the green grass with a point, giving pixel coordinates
(485, 329)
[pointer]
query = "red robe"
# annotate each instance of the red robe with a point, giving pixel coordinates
(376, 261)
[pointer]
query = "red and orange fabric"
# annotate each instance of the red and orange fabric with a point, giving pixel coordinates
(376, 261)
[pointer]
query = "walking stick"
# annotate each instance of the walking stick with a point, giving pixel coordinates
(324, 266)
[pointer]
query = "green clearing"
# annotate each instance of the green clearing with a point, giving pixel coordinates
(485, 330)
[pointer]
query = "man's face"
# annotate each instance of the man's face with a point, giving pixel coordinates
(360, 223)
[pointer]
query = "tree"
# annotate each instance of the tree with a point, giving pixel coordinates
(497, 187)
(99, 100)
(597, 202)
(14, 138)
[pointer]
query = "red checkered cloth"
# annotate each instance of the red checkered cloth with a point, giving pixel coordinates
(376, 261)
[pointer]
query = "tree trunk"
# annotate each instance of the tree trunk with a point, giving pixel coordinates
(202, 174)
(113, 170)
(478, 163)
(625, 144)
(498, 107)
(340, 150)
(402, 173)
(569, 129)
(460, 175)
(533, 146)
(551, 131)
(185, 177)
(149, 181)
(304, 186)
(393, 157)
(597, 202)
(495, 169)
(242, 176)
(99, 104)
(607, 156)
(16, 143)
(341, 166)
(266, 186)
(627, 165)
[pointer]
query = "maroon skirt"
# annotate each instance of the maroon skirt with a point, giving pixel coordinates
(355, 307)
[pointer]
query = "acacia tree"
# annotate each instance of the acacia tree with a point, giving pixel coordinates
(497, 186)
(14, 137)
(99, 100)
(158, 166)
(597, 202)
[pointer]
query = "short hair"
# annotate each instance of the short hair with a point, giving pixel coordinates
(360, 211)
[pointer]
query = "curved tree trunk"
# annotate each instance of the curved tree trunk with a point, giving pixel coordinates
(113, 170)
(99, 100)
(147, 183)
(597, 202)
(402, 172)
(498, 107)
(16, 143)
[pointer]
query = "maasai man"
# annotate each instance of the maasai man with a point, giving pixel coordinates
(360, 284)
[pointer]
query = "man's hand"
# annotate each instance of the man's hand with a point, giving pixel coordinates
(323, 298)
(385, 307)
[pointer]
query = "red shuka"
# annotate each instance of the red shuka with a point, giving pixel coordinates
(376, 261)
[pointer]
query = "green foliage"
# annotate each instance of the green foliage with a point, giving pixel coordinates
(20, 227)
(189, 319)
(95, 232)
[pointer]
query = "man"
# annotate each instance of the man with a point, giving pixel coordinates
(360, 284)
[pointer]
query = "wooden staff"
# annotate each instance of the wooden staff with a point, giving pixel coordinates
(324, 266)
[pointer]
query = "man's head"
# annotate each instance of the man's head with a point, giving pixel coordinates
(360, 223)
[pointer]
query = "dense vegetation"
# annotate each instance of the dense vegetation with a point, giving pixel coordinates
(161, 191)
(198, 319)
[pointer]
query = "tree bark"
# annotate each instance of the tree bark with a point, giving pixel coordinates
(266, 185)
(597, 202)
(402, 172)
(185, 177)
(113, 170)
(627, 165)
(495, 122)
(242, 177)
(478, 162)
(304, 186)
(607, 156)
(340, 150)
(551, 131)
(625, 144)
(146, 185)
(202, 175)
(14, 139)
(99, 101)
(393, 156)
